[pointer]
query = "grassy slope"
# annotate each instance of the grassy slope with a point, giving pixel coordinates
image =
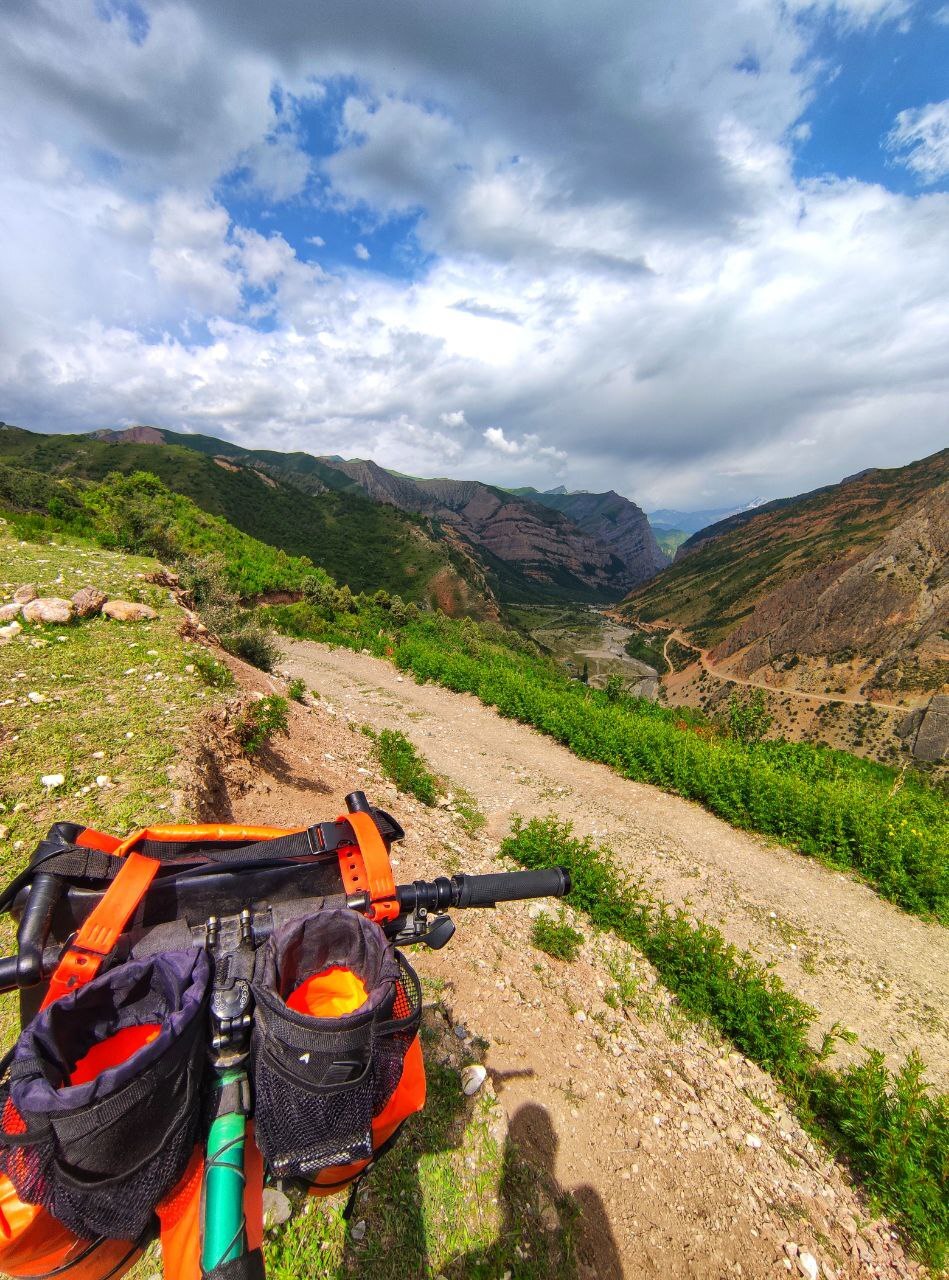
(716, 585)
(357, 541)
(121, 689)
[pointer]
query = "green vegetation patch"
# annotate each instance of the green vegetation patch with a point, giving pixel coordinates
(260, 721)
(891, 1128)
(556, 936)
(403, 765)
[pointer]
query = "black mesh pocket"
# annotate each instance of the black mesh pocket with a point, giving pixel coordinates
(100, 1153)
(320, 1080)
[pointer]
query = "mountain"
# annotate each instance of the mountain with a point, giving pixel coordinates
(853, 573)
(462, 544)
(359, 542)
(613, 521)
(529, 547)
(692, 521)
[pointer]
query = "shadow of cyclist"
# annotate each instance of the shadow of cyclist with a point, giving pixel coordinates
(398, 1213)
(566, 1234)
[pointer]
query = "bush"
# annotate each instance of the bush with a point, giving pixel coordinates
(258, 723)
(296, 689)
(255, 645)
(405, 767)
(214, 673)
(748, 719)
(556, 937)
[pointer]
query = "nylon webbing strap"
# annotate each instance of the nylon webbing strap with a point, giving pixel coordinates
(100, 931)
(375, 858)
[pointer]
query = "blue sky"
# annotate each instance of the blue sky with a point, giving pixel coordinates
(693, 253)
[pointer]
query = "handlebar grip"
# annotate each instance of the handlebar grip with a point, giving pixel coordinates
(511, 886)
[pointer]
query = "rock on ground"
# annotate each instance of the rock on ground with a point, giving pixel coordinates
(9, 611)
(8, 632)
(24, 594)
(48, 609)
(127, 611)
(88, 601)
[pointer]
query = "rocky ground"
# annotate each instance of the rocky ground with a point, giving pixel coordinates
(682, 1158)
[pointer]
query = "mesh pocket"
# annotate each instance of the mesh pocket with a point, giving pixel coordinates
(92, 1127)
(320, 1080)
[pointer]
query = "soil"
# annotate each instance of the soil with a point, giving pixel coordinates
(684, 1158)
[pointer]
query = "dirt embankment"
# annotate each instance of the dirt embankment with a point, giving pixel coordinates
(683, 1159)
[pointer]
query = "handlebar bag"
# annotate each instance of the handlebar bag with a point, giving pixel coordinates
(99, 1098)
(337, 1012)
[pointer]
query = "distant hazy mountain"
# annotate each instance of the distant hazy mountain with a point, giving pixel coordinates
(692, 521)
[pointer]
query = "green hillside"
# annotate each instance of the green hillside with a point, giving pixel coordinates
(359, 542)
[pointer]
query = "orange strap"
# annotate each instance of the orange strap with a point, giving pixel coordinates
(379, 882)
(99, 933)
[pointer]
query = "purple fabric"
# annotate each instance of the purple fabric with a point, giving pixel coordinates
(168, 988)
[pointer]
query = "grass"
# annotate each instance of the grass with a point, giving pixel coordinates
(119, 704)
(403, 765)
(556, 937)
(891, 1128)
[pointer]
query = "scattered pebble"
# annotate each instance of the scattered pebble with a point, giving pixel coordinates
(103, 780)
(52, 780)
(808, 1265)
(98, 755)
(472, 1078)
(752, 1140)
(358, 1230)
(35, 697)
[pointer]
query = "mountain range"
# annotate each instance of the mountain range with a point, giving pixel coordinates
(466, 546)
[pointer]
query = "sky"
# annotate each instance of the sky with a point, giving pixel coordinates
(694, 252)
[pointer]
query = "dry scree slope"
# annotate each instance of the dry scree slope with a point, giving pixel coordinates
(683, 1159)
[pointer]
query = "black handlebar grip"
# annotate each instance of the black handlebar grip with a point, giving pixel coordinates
(511, 886)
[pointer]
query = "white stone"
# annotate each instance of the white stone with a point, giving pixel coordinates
(472, 1078)
(8, 632)
(103, 780)
(752, 1140)
(35, 697)
(358, 1229)
(808, 1265)
(98, 755)
(51, 780)
(9, 611)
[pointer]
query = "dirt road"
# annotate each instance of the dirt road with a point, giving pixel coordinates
(720, 674)
(859, 960)
(679, 1158)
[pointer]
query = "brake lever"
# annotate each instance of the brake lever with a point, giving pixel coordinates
(423, 928)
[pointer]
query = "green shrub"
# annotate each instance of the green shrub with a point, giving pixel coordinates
(213, 672)
(748, 719)
(296, 689)
(402, 764)
(556, 937)
(892, 1129)
(260, 721)
(255, 645)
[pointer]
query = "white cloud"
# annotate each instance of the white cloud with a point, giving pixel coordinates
(920, 140)
(622, 272)
(361, 252)
(317, 241)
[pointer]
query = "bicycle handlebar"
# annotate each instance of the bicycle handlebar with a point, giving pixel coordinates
(463, 891)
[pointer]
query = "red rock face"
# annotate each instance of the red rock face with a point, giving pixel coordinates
(607, 547)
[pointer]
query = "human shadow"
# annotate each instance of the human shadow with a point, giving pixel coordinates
(542, 1230)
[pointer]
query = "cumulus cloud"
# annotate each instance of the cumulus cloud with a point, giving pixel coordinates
(623, 285)
(920, 140)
